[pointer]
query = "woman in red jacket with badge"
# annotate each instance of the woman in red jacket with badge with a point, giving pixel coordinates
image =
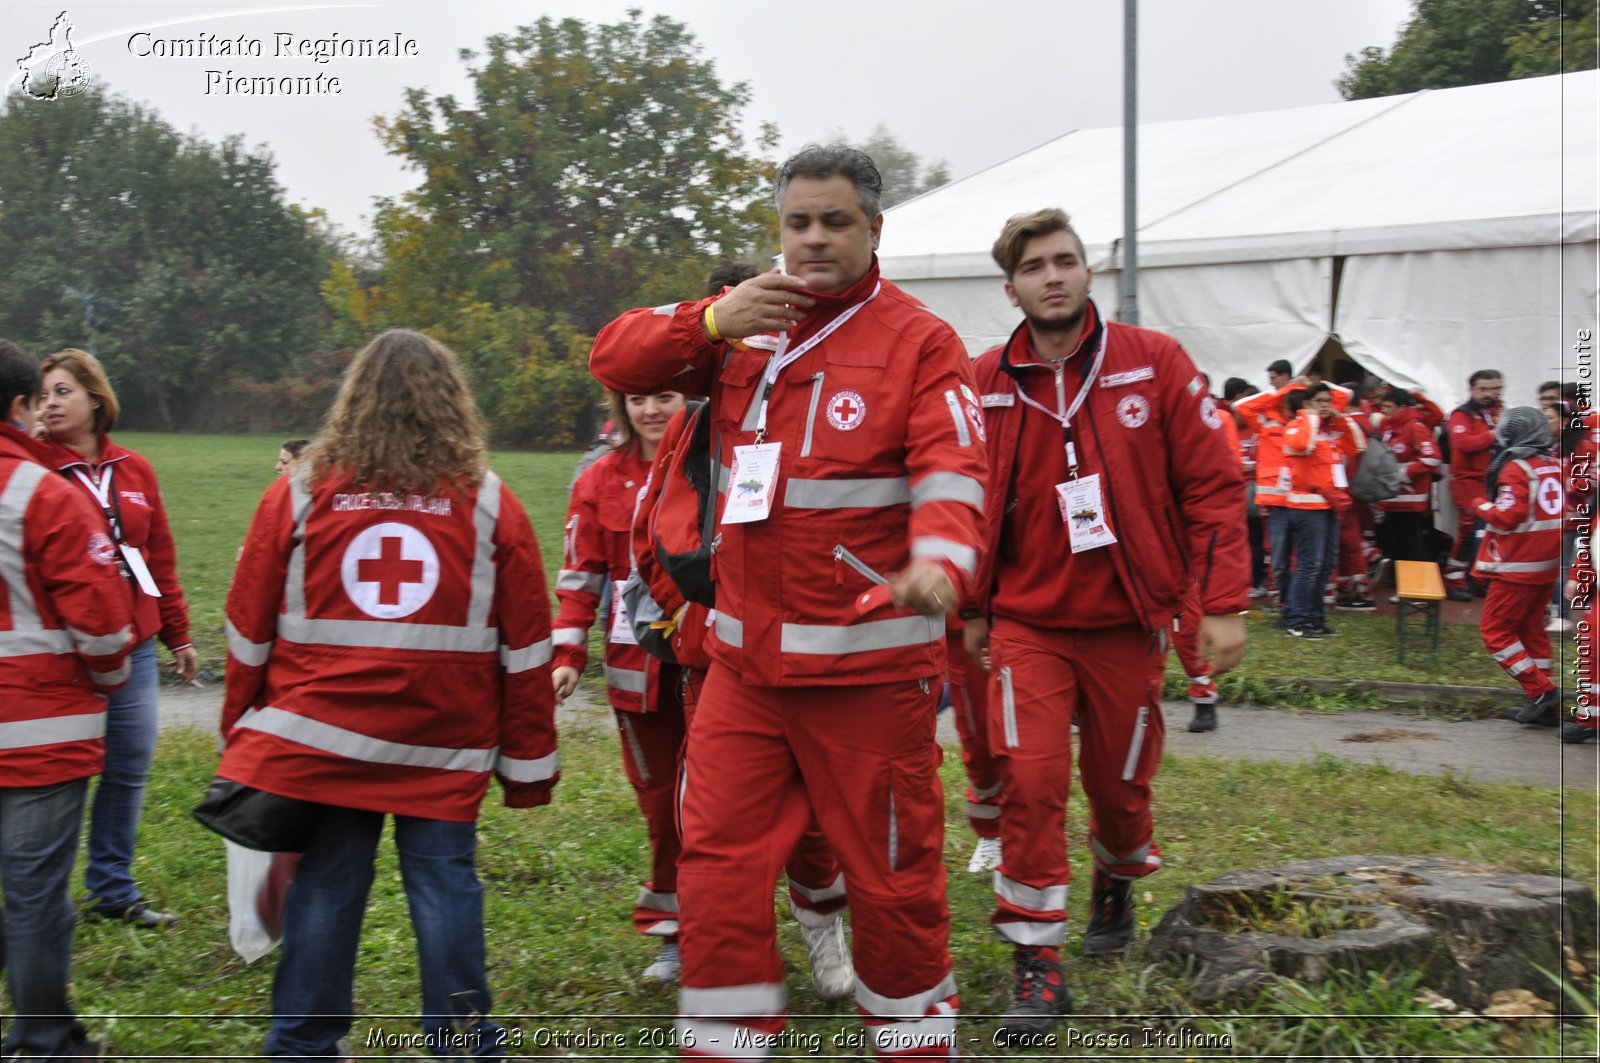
(644, 693)
(78, 410)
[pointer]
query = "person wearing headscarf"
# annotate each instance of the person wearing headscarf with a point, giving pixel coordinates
(1520, 556)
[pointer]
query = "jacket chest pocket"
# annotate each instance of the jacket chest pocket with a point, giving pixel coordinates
(616, 504)
(738, 392)
(845, 404)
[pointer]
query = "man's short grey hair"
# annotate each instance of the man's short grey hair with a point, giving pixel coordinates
(816, 160)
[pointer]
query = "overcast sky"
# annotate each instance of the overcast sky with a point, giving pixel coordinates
(971, 83)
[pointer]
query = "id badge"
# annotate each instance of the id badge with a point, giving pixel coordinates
(1341, 479)
(141, 571)
(621, 626)
(1285, 480)
(755, 476)
(1083, 511)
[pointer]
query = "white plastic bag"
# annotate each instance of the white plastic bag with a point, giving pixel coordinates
(258, 882)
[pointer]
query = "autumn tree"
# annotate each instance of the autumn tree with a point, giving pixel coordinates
(905, 175)
(597, 167)
(1450, 43)
(174, 260)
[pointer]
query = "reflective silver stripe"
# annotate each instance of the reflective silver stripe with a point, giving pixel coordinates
(1542, 663)
(100, 645)
(294, 582)
(721, 1040)
(926, 1034)
(113, 678)
(356, 746)
(755, 999)
(972, 729)
(962, 435)
(1400, 498)
(811, 413)
(1429, 461)
(385, 634)
(25, 621)
(1032, 933)
(934, 548)
(485, 518)
(1295, 496)
(26, 642)
(625, 679)
(666, 928)
(250, 654)
(1048, 899)
(846, 494)
(977, 811)
(730, 630)
(1520, 667)
(1140, 855)
(518, 769)
(914, 1007)
(1268, 489)
(724, 474)
(657, 902)
(1008, 708)
(632, 741)
(947, 487)
(1510, 651)
(1136, 745)
(833, 891)
(52, 729)
(857, 638)
(569, 636)
(986, 792)
(574, 579)
(526, 658)
(894, 836)
(1520, 566)
(1553, 524)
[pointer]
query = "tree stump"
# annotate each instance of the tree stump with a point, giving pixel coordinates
(1471, 930)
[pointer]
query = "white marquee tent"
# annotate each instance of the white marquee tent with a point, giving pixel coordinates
(1432, 234)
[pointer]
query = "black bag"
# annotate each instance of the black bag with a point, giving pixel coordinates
(1378, 475)
(256, 819)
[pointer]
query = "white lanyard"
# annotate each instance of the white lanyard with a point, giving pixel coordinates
(782, 358)
(100, 487)
(1065, 419)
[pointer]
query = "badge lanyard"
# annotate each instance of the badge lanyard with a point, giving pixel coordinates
(100, 487)
(782, 358)
(1065, 420)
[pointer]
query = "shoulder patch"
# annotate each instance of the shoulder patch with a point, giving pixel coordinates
(1131, 376)
(1195, 385)
(999, 398)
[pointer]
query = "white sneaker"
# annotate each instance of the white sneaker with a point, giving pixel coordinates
(1558, 625)
(832, 975)
(986, 857)
(668, 964)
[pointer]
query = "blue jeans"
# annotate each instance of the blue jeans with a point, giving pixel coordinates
(38, 843)
(313, 989)
(131, 725)
(1311, 529)
(1279, 534)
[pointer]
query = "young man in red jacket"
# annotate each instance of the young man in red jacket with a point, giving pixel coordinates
(1111, 494)
(64, 645)
(1470, 430)
(849, 530)
(1408, 516)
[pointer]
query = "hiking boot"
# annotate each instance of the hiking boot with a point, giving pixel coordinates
(1359, 605)
(667, 965)
(1547, 703)
(1204, 718)
(1038, 999)
(1458, 594)
(832, 975)
(986, 857)
(1110, 926)
(1574, 732)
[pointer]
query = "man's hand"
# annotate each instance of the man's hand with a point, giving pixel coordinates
(975, 636)
(767, 302)
(565, 681)
(186, 662)
(925, 587)
(1223, 637)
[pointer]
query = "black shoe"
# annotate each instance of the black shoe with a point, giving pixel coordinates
(1325, 631)
(1458, 594)
(1478, 590)
(1574, 732)
(1310, 634)
(1358, 605)
(138, 914)
(1110, 926)
(1204, 718)
(1038, 999)
(1548, 703)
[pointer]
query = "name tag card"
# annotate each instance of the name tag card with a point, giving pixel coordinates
(1083, 511)
(750, 488)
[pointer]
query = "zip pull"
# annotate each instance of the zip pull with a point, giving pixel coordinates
(838, 565)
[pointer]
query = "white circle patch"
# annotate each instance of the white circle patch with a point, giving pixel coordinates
(1133, 411)
(1550, 499)
(390, 570)
(1209, 414)
(101, 550)
(846, 410)
(975, 415)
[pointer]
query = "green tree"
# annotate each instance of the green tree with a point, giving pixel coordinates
(904, 174)
(597, 167)
(176, 261)
(1449, 43)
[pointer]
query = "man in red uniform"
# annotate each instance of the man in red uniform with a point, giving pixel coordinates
(849, 529)
(64, 643)
(1408, 516)
(1470, 430)
(1111, 493)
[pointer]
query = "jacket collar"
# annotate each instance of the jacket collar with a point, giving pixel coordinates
(828, 307)
(1018, 353)
(19, 444)
(61, 457)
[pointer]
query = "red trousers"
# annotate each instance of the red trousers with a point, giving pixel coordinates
(1186, 641)
(1513, 632)
(651, 742)
(969, 696)
(1111, 680)
(816, 885)
(760, 762)
(1465, 548)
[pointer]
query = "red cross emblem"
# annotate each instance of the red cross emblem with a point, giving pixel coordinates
(846, 410)
(390, 570)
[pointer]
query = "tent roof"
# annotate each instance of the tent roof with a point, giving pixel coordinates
(1507, 164)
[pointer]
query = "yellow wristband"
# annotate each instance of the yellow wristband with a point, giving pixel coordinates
(711, 324)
